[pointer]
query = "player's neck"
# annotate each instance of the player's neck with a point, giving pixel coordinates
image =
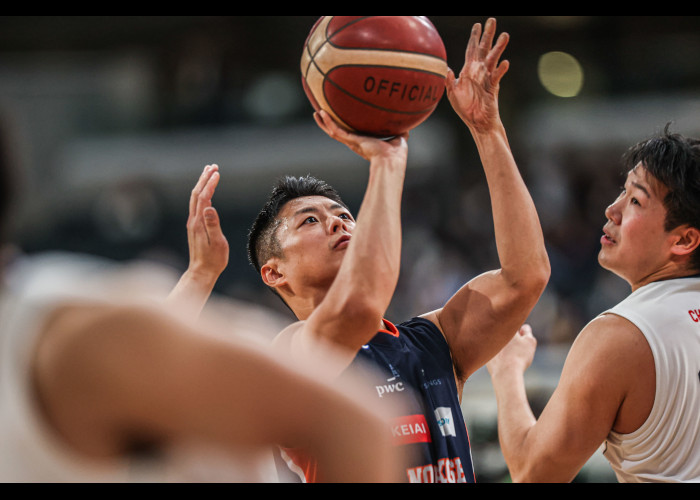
(671, 271)
(303, 304)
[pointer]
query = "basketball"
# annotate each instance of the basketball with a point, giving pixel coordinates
(375, 75)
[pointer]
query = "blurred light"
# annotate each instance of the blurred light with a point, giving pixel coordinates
(560, 73)
(274, 96)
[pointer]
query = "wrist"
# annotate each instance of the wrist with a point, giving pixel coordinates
(506, 373)
(485, 130)
(205, 278)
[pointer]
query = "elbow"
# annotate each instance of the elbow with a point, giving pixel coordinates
(364, 311)
(359, 313)
(540, 276)
(547, 469)
(523, 473)
(540, 271)
(533, 281)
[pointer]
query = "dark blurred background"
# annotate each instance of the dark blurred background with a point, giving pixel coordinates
(114, 117)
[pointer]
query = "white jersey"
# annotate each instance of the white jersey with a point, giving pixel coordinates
(30, 451)
(666, 448)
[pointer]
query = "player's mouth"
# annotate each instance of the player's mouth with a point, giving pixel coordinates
(342, 242)
(607, 239)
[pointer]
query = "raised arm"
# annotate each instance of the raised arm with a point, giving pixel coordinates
(208, 248)
(352, 310)
(481, 317)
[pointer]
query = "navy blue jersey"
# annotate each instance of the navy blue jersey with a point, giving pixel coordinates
(414, 355)
(412, 362)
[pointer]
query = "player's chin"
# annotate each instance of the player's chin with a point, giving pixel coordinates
(605, 260)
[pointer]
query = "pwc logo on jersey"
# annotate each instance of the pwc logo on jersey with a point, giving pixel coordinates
(410, 429)
(391, 386)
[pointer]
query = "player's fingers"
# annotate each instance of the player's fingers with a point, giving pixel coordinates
(211, 219)
(201, 182)
(487, 37)
(497, 75)
(207, 193)
(525, 330)
(212, 224)
(472, 46)
(495, 54)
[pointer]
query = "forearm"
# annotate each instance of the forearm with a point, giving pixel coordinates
(191, 293)
(370, 270)
(515, 419)
(352, 310)
(375, 253)
(518, 234)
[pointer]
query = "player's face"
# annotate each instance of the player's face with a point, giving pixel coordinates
(635, 245)
(314, 234)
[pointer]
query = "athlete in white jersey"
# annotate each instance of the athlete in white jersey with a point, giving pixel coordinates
(632, 377)
(667, 446)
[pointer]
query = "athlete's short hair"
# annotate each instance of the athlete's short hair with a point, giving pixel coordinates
(262, 237)
(674, 160)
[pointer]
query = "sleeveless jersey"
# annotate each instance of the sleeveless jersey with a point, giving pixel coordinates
(415, 365)
(666, 448)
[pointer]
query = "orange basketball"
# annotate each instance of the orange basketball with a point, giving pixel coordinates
(375, 75)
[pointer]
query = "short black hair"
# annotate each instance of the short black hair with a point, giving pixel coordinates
(262, 240)
(674, 160)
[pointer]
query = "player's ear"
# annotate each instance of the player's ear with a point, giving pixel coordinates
(271, 274)
(687, 240)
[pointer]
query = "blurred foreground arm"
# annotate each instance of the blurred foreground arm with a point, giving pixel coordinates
(105, 374)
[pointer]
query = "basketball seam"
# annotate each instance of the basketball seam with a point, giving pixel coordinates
(321, 53)
(330, 41)
(325, 32)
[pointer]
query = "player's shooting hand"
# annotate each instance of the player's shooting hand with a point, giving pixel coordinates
(369, 148)
(208, 247)
(474, 94)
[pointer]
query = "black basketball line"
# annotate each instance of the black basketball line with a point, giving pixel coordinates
(327, 40)
(313, 61)
(346, 25)
(330, 42)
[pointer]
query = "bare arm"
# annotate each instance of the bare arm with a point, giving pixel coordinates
(481, 317)
(105, 374)
(208, 248)
(606, 384)
(351, 312)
